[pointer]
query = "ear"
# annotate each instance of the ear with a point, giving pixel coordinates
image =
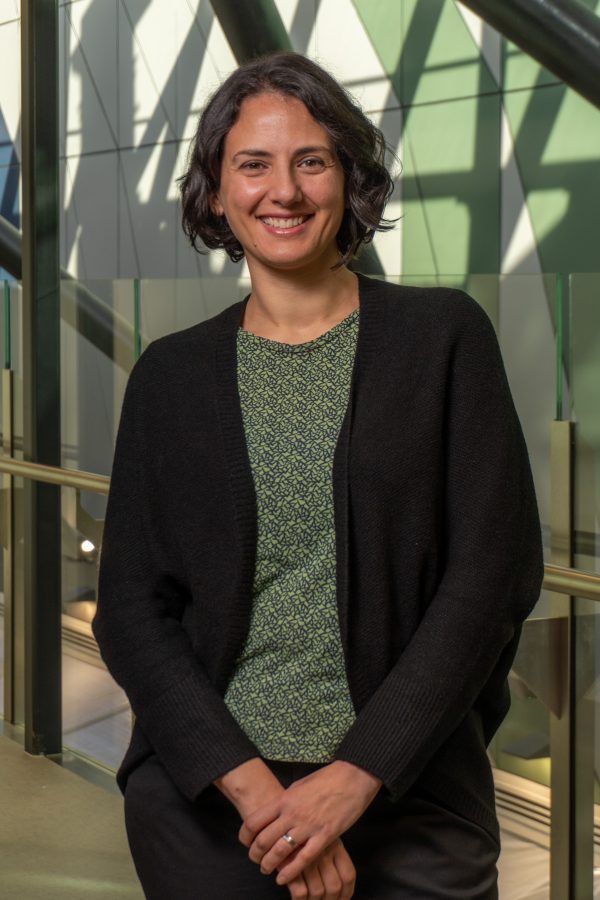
(216, 206)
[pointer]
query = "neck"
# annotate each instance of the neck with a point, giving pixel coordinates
(294, 306)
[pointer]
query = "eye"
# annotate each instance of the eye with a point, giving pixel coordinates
(253, 165)
(312, 162)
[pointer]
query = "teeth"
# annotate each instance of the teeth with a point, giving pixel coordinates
(284, 223)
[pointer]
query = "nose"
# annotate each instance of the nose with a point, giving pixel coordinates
(285, 187)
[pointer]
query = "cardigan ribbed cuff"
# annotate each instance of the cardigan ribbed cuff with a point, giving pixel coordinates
(195, 736)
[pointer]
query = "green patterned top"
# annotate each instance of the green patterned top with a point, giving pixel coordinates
(289, 691)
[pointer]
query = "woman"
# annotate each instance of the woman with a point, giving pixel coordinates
(321, 539)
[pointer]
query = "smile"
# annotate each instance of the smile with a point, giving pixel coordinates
(291, 222)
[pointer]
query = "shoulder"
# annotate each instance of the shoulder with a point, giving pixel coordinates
(176, 373)
(187, 350)
(443, 303)
(436, 315)
(198, 337)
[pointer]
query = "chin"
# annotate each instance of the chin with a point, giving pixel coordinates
(290, 263)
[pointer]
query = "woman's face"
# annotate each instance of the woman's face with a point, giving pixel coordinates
(282, 186)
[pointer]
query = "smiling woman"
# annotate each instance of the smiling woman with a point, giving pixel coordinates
(321, 539)
(283, 199)
(340, 130)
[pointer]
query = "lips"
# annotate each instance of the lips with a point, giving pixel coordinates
(290, 222)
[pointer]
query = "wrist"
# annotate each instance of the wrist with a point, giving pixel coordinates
(370, 782)
(249, 785)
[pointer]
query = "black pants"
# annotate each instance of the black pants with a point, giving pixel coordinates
(190, 851)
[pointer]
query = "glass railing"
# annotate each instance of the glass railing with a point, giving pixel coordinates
(583, 344)
(549, 332)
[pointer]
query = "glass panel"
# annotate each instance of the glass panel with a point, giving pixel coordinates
(12, 636)
(97, 353)
(585, 399)
(4, 612)
(584, 383)
(12, 352)
(7, 606)
(170, 304)
(587, 747)
(98, 344)
(524, 320)
(96, 714)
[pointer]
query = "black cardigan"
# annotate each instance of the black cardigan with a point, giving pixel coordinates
(438, 545)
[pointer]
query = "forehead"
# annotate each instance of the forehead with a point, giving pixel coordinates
(274, 118)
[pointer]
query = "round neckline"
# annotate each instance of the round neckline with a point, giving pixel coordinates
(283, 347)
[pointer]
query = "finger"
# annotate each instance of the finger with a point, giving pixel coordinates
(330, 877)
(314, 882)
(258, 820)
(307, 854)
(346, 871)
(271, 849)
(298, 889)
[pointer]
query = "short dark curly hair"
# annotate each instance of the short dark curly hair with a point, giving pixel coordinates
(359, 145)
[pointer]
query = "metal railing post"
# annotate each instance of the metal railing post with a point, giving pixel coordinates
(41, 374)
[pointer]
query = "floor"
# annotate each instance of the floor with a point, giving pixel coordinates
(64, 836)
(61, 837)
(96, 714)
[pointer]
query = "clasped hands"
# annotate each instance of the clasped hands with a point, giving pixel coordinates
(314, 811)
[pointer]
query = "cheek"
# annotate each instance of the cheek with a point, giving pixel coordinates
(246, 195)
(338, 208)
(337, 199)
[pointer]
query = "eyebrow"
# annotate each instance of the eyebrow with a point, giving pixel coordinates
(265, 154)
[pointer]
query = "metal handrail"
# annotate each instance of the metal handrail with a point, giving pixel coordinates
(574, 582)
(85, 481)
(559, 579)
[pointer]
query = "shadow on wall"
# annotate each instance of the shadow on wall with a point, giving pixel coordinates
(122, 149)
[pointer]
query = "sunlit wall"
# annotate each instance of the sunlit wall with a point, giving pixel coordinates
(499, 159)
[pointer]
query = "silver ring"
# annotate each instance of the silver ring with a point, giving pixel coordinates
(287, 837)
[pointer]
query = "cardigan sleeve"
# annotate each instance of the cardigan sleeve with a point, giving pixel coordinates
(491, 578)
(141, 601)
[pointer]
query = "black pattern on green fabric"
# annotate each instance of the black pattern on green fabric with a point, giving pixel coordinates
(289, 690)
